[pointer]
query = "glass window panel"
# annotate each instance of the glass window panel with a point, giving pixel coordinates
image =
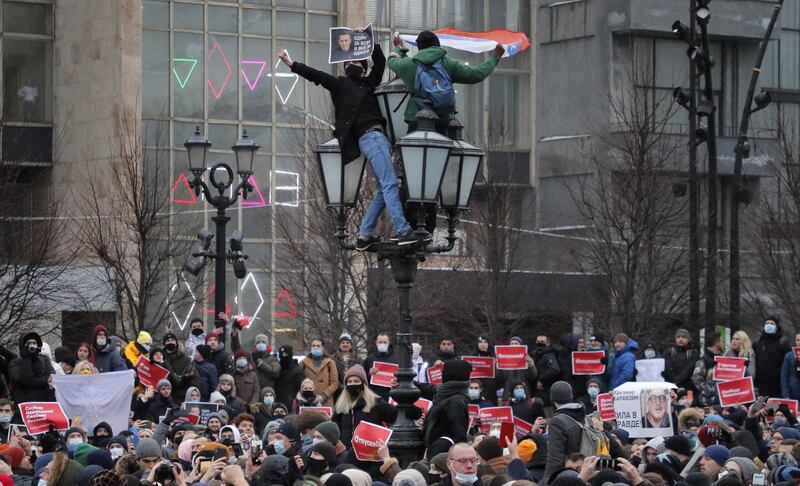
(155, 73)
(222, 70)
(288, 140)
(223, 19)
(155, 14)
(289, 89)
(508, 112)
(182, 131)
(319, 99)
(262, 136)
(668, 72)
(415, 14)
(155, 133)
(290, 3)
(319, 26)
(463, 14)
(28, 80)
(322, 4)
(256, 210)
(378, 12)
(291, 24)
(770, 75)
(510, 14)
(256, 83)
(790, 15)
(258, 2)
(186, 206)
(256, 21)
(790, 54)
(27, 18)
(222, 136)
(188, 83)
(188, 16)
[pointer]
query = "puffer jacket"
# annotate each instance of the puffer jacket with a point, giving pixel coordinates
(624, 364)
(790, 378)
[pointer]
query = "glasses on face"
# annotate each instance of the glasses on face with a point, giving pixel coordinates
(468, 462)
(657, 399)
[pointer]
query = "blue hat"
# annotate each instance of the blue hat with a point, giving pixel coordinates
(287, 429)
(718, 454)
(785, 473)
(789, 433)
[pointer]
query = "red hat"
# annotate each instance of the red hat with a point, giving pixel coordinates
(240, 353)
(5, 480)
(14, 453)
(214, 334)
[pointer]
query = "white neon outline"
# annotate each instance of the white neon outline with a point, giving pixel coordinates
(251, 278)
(181, 325)
(295, 188)
(284, 75)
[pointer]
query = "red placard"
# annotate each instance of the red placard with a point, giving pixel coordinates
(149, 374)
(489, 415)
(243, 320)
(507, 431)
(511, 357)
(435, 374)
(422, 403)
(482, 367)
(39, 416)
(736, 392)
(366, 438)
(327, 410)
(385, 375)
(728, 369)
(522, 427)
(473, 414)
(588, 362)
(791, 404)
(605, 405)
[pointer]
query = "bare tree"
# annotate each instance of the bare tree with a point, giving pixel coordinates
(132, 234)
(632, 216)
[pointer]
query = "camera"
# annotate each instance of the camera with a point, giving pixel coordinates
(164, 472)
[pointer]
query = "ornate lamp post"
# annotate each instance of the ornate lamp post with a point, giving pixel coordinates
(245, 151)
(436, 170)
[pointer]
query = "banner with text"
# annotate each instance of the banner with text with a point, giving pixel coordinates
(605, 405)
(435, 374)
(385, 375)
(736, 392)
(790, 404)
(644, 409)
(366, 438)
(511, 357)
(728, 369)
(490, 415)
(150, 374)
(103, 397)
(588, 362)
(39, 416)
(482, 367)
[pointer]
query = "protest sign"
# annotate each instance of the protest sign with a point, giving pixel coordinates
(39, 416)
(326, 410)
(588, 362)
(522, 427)
(644, 409)
(201, 409)
(473, 414)
(385, 375)
(366, 438)
(490, 415)
(511, 357)
(150, 374)
(650, 370)
(104, 397)
(422, 403)
(242, 320)
(790, 404)
(482, 367)
(349, 45)
(736, 392)
(435, 374)
(728, 369)
(605, 405)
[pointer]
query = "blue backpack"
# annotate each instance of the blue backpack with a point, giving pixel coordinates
(433, 87)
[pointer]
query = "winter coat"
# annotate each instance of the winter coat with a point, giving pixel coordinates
(703, 380)
(233, 404)
(158, 406)
(624, 364)
(222, 360)
(369, 363)
(790, 378)
(206, 378)
(178, 364)
(345, 361)
(569, 343)
(288, 383)
(247, 386)
(490, 385)
(406, 69)
(770, 350)
(526, 409)
(679, 365)
(108, 357)
(348, 96)
(266, 365)
(29, 374)
(325, 376)
(381, 413)
(564, 437)
(263, 416)
(751, 361)
(420, 367)
(449, 414)
(191, 342)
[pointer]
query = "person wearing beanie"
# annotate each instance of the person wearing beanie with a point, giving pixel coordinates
(219, 357)
(206, 378)
(565, 428)
(744, 468)
(100, 457)
(521, 403)
(679, 450)
(136, 348)
(158, 405)
(148, 453)
(625, 350)
(770, 350)
(290, 378)
(594, 387)
(329, 432)
(247, 387)
(117, 446)
(262, 410)
(703, 374)
(359, 403)
(320, 368)
(285, 441)
(65, 358)
(177, 362)
(106, 355)
(714, 457)
(345, 356)
(449, 414)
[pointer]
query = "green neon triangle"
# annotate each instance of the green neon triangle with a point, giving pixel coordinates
(193, 63)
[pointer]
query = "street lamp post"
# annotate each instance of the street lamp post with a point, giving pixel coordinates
(245, 150)
(436, 170)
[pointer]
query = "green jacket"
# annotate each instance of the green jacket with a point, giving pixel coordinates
(406, 69)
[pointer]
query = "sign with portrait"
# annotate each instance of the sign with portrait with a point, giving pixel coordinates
(348, 45)
(644, 409)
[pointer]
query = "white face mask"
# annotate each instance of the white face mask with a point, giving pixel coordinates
(649, 354)
(382, 348)
(75, 441)
(241, 362)
(101, 341)
(116, 452)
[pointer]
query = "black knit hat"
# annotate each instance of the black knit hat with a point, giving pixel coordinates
(456, 370)
(204, 351)
(426, 39)
(169, 335)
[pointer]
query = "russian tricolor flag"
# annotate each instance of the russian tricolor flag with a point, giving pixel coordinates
(477, 42)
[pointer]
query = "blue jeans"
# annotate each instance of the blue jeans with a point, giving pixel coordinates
(375, 147)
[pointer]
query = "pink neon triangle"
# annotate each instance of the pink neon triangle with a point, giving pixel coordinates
(184, 182)
(260, 201)
(284, 295)
(252, 85)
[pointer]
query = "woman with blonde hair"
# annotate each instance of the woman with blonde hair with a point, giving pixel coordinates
(357, 402)
(84, 368)
(742, 347)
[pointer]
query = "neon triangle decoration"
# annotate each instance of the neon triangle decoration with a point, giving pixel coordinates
(185, 62)
(211, 294)
(260, 201)
(252, 85)
(183, 182)
(284, 295)
(214, 91)
(278, 75)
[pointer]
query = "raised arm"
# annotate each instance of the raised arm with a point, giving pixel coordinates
(464, 74)
(378, 66)
(317, 77)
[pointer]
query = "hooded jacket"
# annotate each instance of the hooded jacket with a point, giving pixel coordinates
(206, 378)
(246, 382)
(178, 363)
(288, 383)
(266, 365)
(106, 358)
(406, 69)
(29, 374)
(569, 343)
(263, 413)
(625, 364)
(770, 351)
(489, 385)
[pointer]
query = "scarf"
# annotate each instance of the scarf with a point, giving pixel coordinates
(449, 389)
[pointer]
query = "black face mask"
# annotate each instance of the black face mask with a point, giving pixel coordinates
(33, 350)
(353, 71)
(354, 390)
(316, 467)
(447, 354)
(171, 347)
(434, 478)
(308, 394)
(197, 332)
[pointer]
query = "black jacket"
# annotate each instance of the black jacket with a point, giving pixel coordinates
(679, 365)
(288, 383)
(29, 374)
(770, 350)
(387, 357)
(347, 96)
(449, 415)
(564, 437)
(382, 413)
(223, 361)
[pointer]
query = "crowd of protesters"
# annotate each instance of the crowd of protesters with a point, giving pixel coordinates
(262, 435)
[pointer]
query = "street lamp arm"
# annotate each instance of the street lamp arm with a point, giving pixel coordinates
(341, 227)
(451, 237)
(200, 187)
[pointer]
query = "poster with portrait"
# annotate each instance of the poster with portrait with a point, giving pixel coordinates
(349, 45)
(644, 409)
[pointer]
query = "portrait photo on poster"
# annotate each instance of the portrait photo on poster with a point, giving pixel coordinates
(655, 408)
(644, 409)
(348, 45)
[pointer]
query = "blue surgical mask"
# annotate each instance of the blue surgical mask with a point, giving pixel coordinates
(466, 478)
(770, 328)
(261, 347)
(278, 446)
(4, 419)
(269, 400)
(316, 352)
(593, 391)
(308, 443)
(473, 394)
(519, 393)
